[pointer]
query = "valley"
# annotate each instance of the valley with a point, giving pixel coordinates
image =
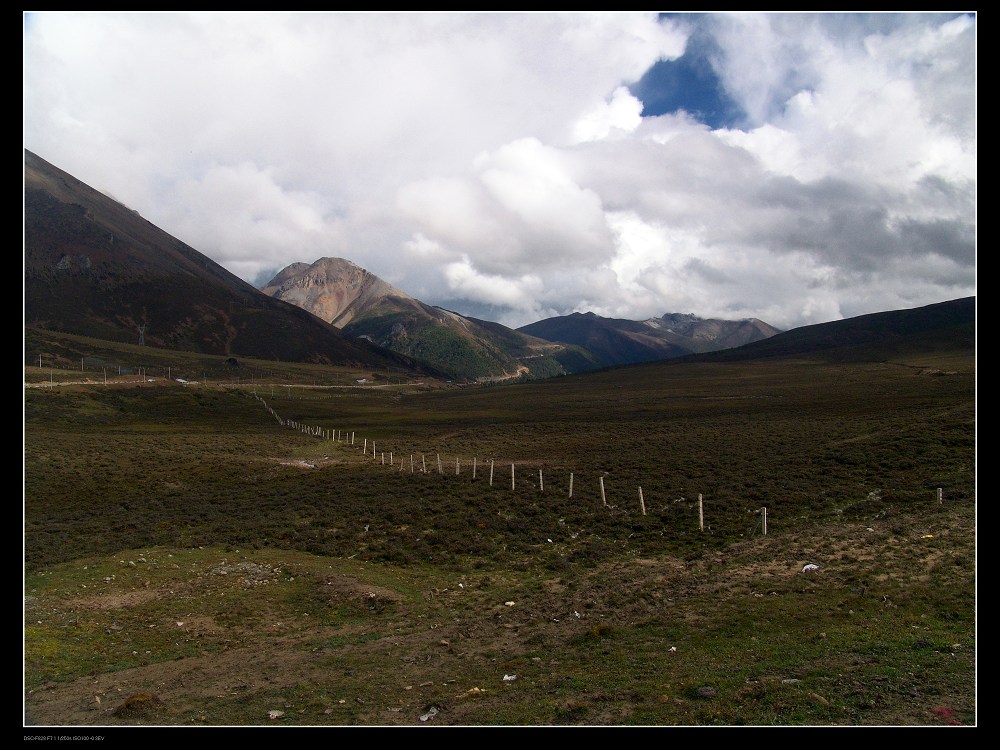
(192, 560)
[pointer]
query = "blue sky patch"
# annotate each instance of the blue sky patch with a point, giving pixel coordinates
(690, 84)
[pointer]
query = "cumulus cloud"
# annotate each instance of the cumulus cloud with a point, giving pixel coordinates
(501, 160)
(263, 218)
(465, 280)
(620, 115)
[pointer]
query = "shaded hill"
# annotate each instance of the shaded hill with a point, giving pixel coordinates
(944, 326)
(366, 306)
(96, 268)
(617, 342)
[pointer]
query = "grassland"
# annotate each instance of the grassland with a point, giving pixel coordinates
(192, 560)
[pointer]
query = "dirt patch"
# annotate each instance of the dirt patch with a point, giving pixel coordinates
(317, 462)
(249, 573)
(344, 589)
(299, 463)
(114, 599)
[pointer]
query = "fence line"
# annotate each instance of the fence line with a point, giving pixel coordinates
(335, 435)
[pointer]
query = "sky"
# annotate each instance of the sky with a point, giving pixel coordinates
(798, 168)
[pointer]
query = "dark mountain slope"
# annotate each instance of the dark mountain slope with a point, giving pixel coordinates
(943, 326)
(94, 267)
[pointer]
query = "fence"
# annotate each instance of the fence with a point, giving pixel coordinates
(379, 457)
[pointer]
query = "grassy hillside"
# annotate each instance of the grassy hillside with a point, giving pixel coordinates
(206, 555)
(486, 351)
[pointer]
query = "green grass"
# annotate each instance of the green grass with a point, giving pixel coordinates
(348, 579)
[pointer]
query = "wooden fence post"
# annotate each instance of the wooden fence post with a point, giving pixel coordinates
(423, 460)
(764, 520)
(473, 467)
(701, 514)
(604, 500)
(491, 472)
(940, 494)
(541, 482)
(571, 484)
(512, 476)
(642, 503)
(456, 467)
(440, 470)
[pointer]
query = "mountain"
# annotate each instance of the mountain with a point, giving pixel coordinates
(96, 268)
(941, 327)
(364, 305)
(335, 290)
(618, 342)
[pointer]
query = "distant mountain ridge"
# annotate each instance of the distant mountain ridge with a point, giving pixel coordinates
(94, 267)
(615, 341)
(348, 296)
(364, 305)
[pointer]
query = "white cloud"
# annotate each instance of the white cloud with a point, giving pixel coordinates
(466, 281)
(455, 210)
(884, 107)
(555, 218)
(621, 115)
(500, 158)
(263, 219)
